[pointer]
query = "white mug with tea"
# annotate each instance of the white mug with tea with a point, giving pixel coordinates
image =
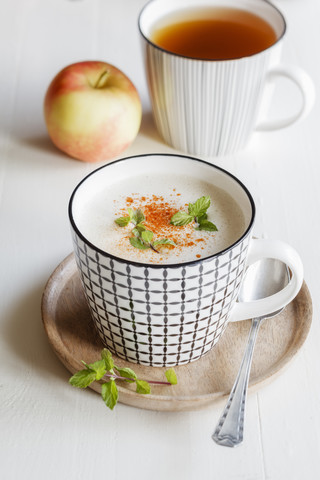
(211, 67)
(162, 286)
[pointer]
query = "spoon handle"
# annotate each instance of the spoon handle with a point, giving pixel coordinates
(229, 431)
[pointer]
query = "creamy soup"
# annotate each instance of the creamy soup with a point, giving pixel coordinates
(159, 198)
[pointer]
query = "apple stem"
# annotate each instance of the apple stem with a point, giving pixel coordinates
(101, 80)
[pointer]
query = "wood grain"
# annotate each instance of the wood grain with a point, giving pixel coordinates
(71, 333)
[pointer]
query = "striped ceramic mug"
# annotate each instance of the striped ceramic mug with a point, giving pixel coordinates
(171, 314)
(211, 107)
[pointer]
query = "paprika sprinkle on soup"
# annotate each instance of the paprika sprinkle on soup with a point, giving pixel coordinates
(158, 212)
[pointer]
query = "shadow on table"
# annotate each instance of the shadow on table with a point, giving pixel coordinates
(43, 143)
(148, 127)
(25, 335)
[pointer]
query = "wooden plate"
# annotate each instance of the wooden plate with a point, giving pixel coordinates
(70, 330)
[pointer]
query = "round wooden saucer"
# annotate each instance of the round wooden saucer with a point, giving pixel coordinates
(70, 330)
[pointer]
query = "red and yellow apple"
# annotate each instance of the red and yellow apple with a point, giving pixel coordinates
(92, 111)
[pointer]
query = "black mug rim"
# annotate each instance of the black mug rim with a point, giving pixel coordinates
(162, 265)
(168, 52)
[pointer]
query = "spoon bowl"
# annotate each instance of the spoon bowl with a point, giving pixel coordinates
(263, 279)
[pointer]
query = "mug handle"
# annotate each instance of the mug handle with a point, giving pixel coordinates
(307, 89)
(258, 249)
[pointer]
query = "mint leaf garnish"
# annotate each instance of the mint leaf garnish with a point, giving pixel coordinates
(83, 378)
(171, 376)
(110, 394)
(197, 212)
(202, 217)
(164, 241)
(108, 360)
(127, 373)
(137, 242)
(135, 217)
(146, 236)
(123, 221)
(143, 387)
(207, 226)
(181, 218)
(99, 368)
(109, 389)
(138, 217)
(199, 207)
(138, 229)
(142, 237)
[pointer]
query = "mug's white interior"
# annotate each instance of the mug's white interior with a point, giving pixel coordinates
(157, 164)
(158, 12)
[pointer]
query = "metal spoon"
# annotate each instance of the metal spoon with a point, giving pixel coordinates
(262, 279)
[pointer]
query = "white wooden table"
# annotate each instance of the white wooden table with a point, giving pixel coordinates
(52, 431)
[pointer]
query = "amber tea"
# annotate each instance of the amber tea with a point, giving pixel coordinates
(214, 34)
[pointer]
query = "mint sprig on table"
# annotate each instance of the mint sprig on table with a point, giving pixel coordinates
(105, 368)
(197, 212)
(142, 237)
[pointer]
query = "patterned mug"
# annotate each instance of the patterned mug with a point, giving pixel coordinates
(172, 314)
(211, 107)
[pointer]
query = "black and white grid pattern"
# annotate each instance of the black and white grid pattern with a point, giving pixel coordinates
(162, 316)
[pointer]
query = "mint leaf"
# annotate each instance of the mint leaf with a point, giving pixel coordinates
(196, 211)
(207, 226)
(99, 368)
(138, 243)
(109, 392)
(127, 373)
(191, 210)
(85, 364)
(146, 236)
(83, 378)
(107, 358)
(199, 207)
(171, 376)
(138, 229)
(202, 217)
(109, 389)
(163, 241)
(181, 218)
(123, 221)
(138, 216)
(143, 387)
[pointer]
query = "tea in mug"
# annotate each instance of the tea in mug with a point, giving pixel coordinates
(214, 34)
